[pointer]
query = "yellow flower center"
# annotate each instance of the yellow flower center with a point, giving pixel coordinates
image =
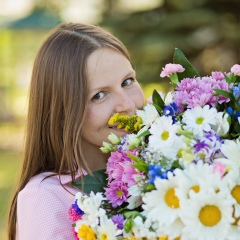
(165, 135)
(196, 189)
(209, 215)
(202, 155)
(236, 193)
(171, 199)
(104, 236)
(119, 193)
(166, 238)
(199, 120)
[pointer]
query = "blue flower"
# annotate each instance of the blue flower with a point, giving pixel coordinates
(168, 111)
(77, 209)
(153, 172)
(174, 106)
(229, 110)
(236, 91)
(237, 115)
(156, 171)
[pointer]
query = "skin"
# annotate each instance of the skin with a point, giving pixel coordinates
(112, 88)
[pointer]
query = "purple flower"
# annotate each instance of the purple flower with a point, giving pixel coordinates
(117, 193)
(118, 219)
(171, 68)
(192, 92)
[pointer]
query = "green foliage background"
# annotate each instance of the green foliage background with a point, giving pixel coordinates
(207, 31)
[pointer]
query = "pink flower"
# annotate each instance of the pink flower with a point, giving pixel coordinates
(236, 69)
(171, 68)
(117, 193)
(128, 176)
(73, 215)
(192, 92)
(220, 168)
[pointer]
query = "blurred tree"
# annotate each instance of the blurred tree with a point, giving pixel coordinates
(19, 41)
(207, 31)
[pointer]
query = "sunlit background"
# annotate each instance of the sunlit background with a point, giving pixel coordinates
(207, 31)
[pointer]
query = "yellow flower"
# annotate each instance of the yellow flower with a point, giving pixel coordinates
(86, 233)
(129, 123)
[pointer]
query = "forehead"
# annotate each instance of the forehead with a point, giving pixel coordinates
(105, 65)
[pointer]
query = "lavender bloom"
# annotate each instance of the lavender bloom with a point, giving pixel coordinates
(118, 219)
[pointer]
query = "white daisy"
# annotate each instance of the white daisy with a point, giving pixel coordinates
(135, 199)
(231, 150)
(232, 181)
(207, 216)
(173, 231)
(195, 178)
(168, 99)
(222, 126)
(163, 136)
(141, 230)
(234, 231)
(107, 230)
(199, 119)
(162, 204)
(148, 115)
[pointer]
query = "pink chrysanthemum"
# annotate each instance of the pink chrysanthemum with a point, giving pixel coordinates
(171, 68)
(129, 173)
(73, 215)
(192, 92)
(115, 159)
(117, 193)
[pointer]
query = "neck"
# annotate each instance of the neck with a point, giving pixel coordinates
(95, 158)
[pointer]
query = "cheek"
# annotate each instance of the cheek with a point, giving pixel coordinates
(138, 98)
(89, 119)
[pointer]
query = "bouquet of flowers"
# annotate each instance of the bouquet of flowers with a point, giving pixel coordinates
(175, 174)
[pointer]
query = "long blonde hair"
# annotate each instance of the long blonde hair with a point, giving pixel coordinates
(57, 104)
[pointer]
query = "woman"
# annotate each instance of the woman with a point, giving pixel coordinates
(82, 75)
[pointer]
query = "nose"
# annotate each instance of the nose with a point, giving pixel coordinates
(124, 103)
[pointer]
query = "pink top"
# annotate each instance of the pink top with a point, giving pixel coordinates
(42, 209)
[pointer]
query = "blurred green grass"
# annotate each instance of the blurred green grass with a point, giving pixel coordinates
(9, 169)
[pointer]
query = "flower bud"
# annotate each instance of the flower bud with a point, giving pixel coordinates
(114, 139)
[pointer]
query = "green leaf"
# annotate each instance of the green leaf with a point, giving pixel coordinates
(237, 79)
(229, 79)
(128, 225)
(157, 99)
(143, 167)
(149, 187)
(134, 158)
(190, 71)
(132, 214)
(237, 128)
(224, 93)
(160, 110)
(95, 183)
(143, 134)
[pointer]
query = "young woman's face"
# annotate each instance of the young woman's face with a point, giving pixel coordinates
(113, 88)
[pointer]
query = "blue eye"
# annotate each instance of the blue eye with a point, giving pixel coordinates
(98, 96)
(127, 82)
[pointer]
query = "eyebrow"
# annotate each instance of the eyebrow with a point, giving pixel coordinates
(125, 77)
